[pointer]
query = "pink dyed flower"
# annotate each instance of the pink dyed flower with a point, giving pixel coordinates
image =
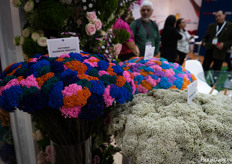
(156, 67)
(141, 89)
(93, 64)
(152, 81)
(64, 56)
(103, 73)
(71, 112)
(90, 29)
(91, 16)
(29, 82)
(98, 24)
(136, 74)
(71, 90)
(107, 98)
(169, 72)
(11, 83)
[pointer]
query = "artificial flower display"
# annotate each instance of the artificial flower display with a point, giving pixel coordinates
(79, 85)
(160, 127)
(157, 73)
(65, 95)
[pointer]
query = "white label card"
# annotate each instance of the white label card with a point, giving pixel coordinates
(191, 91)
(149, 52)
(60, 46)
(214, 41)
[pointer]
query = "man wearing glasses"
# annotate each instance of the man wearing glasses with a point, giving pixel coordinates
(146, 31)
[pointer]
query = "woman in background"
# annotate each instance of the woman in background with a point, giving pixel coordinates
(182, 44)
(169, 37)
(129, 48)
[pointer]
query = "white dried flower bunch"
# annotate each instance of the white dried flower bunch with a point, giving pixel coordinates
(160, 127)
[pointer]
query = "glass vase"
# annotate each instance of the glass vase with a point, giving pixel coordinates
(72, 154)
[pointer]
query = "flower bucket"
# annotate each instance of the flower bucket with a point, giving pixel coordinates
(80, 153)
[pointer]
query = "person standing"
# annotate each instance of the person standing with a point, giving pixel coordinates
(145, 30)
(169, 37)
(129, 49)
(217, 40)
(182, 44)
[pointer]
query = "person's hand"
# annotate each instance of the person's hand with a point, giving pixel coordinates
(192, 36)
(220, 45)
(4, 117)
(137, 51)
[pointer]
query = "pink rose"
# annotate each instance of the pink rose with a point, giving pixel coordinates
(90, 29)
(117, 49)
(98, 24)
(41, 158)
(91, 16)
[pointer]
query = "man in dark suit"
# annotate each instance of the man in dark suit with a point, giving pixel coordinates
(217, 40)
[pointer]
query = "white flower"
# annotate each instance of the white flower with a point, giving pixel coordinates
(21, 41)
(84, 7)
(103, 47)
(90, 5)
(16, 3)
(35, 36)
(42, 41)
(84, 1)
(160, 127)
(29, 6)
(26, 32)
(38, 135)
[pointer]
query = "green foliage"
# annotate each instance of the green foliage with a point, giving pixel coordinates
(121, 36)
(51, 15)
(31, 48)
(107, 9)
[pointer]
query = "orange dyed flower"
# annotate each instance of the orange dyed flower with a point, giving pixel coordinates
(173, 87)
(186, 82)
(20, 78)
(60, 59)
(193, 77)
(145, 73)
(111, 71)
(44, 78)
(157, 62)
(8, 67)
(84, 76)
(120, 81)
(12, 73)
(76, 66)
(77, 100)
(146, 85)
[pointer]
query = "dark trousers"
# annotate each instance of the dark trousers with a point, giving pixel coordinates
(217, 65)
(228, 61)
(182, 56)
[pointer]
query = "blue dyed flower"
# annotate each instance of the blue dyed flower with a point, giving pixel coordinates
(164, 83)
(97, 88)
(56, 97)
